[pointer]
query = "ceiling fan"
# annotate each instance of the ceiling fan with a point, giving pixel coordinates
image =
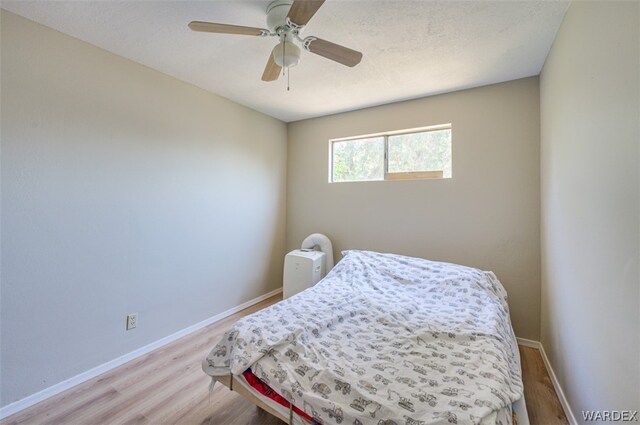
(286, 19)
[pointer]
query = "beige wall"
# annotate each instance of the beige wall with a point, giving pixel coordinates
(486, 216)
(123, 190)
(590, 136)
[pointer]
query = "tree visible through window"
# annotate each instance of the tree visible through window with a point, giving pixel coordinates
(358, 160)
(418, 154)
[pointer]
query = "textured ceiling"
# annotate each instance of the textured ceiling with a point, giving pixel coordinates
(411, 49)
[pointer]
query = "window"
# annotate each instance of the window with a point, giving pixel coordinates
(423, 153)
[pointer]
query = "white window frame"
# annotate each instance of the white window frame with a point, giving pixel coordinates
(407, 175)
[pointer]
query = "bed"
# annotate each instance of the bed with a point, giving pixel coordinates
(383, 339)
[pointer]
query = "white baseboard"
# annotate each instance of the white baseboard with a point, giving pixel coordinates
(29, 401)
(528, 343)
(552, 375)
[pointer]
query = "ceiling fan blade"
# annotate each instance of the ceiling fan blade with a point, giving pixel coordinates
(272, 70)
(302, 11)
(335, 52)
(226, 29)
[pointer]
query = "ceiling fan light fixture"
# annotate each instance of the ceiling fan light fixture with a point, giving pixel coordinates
(286, 54)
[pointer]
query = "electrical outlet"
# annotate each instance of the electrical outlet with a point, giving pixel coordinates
(132, 321)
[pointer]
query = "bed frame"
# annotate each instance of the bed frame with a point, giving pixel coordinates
(232, 384)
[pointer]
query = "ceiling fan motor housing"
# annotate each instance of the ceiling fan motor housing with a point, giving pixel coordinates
(277, 14)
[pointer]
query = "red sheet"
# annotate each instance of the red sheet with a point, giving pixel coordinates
(267, 391)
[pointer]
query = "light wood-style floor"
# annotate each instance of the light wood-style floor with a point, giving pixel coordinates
(543, 404)
(167, 386)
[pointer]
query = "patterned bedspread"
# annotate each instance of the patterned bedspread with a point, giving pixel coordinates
(385, 339)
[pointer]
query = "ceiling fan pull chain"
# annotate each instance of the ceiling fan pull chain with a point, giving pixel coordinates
(288, 77)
